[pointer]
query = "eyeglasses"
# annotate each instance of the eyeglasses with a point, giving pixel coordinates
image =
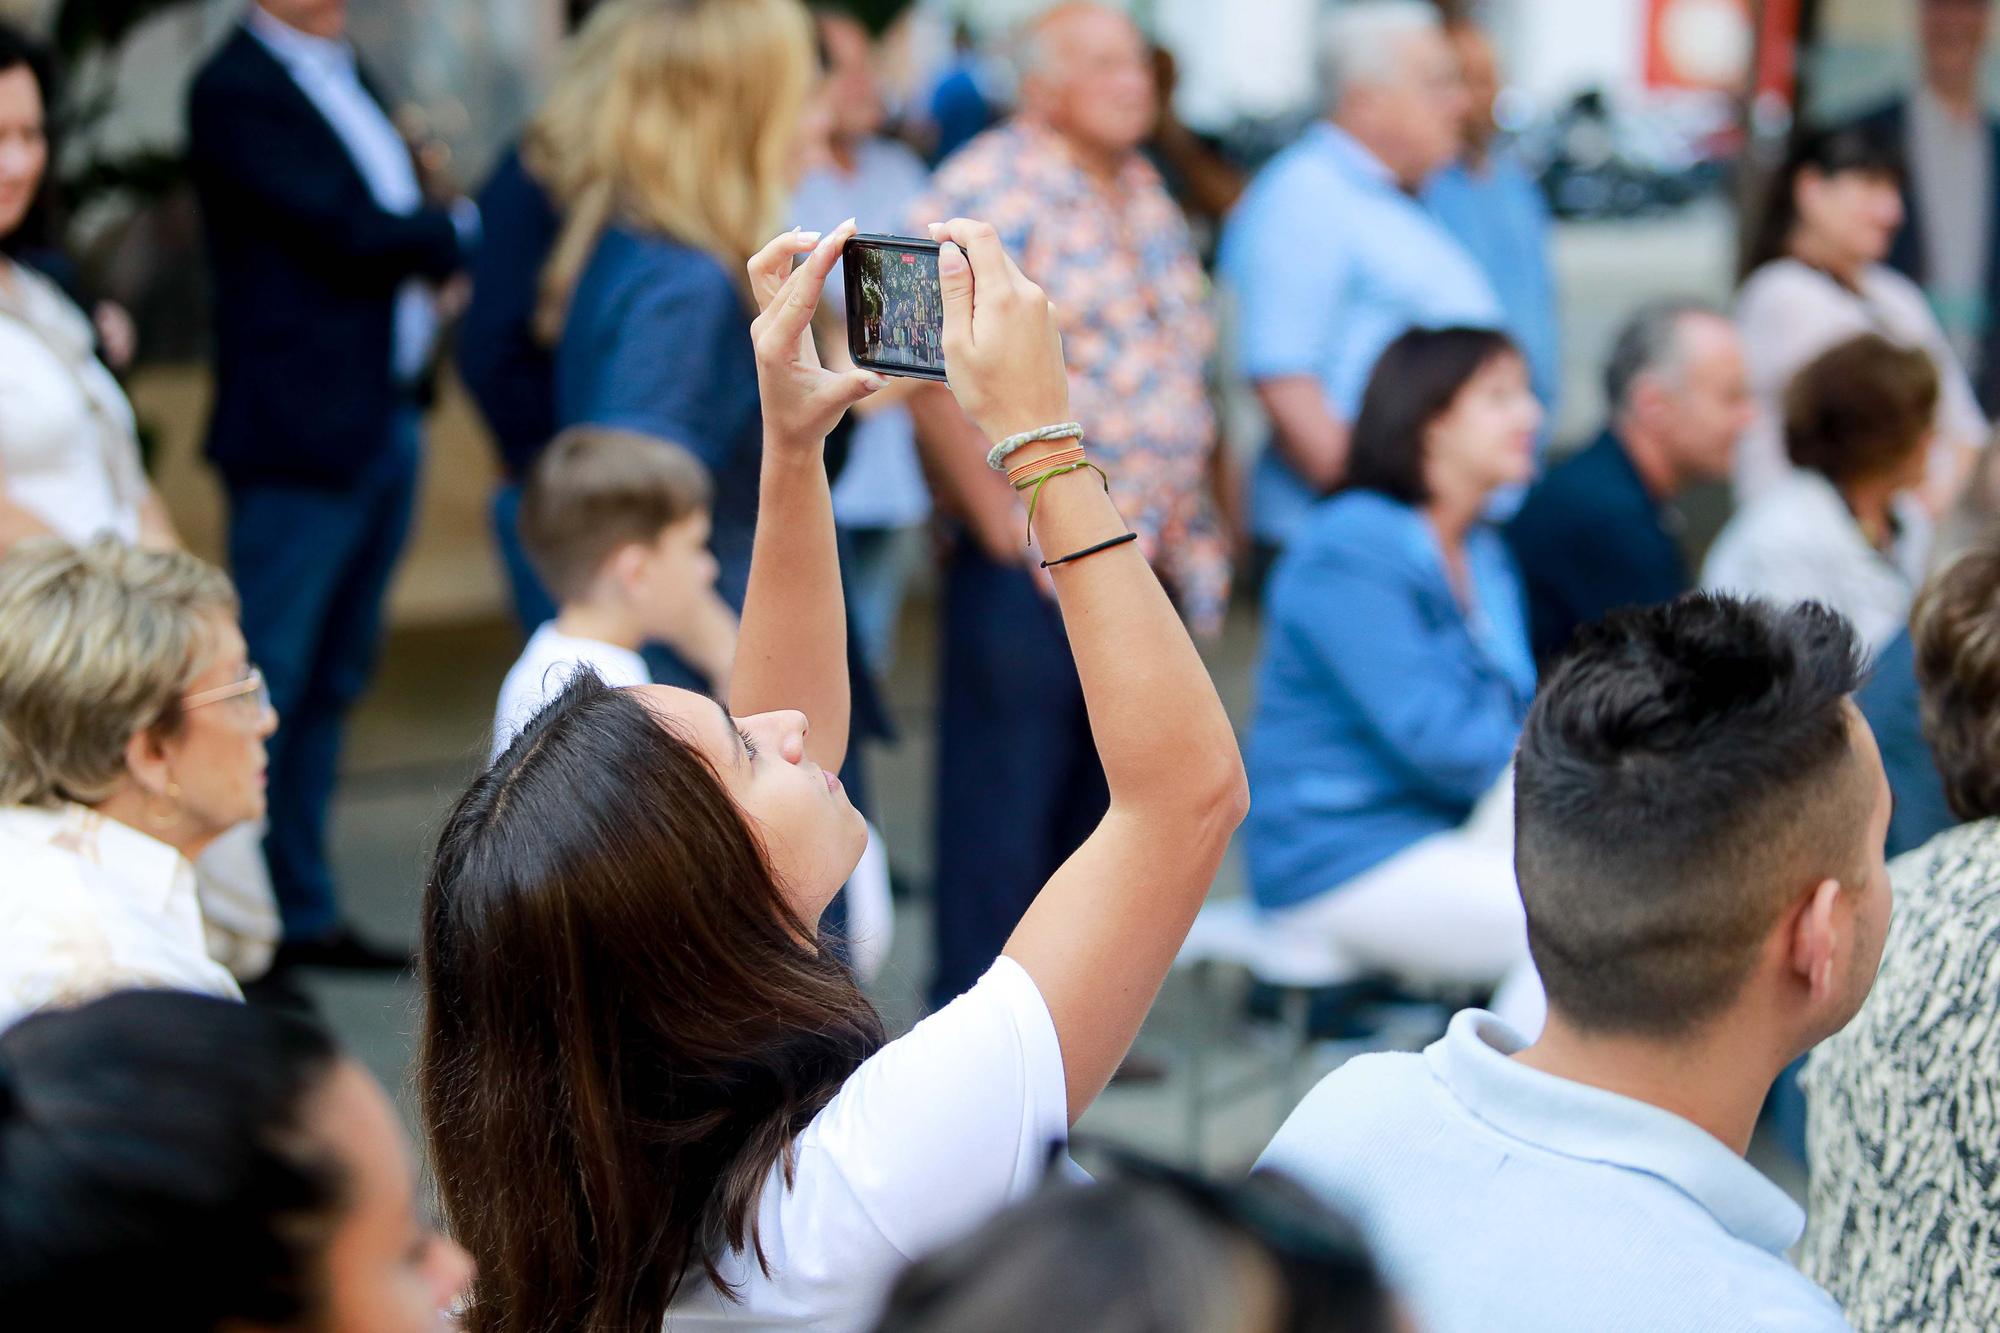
(251, 685)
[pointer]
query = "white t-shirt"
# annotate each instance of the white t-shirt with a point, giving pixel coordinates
(938, 1131)
(546, 665)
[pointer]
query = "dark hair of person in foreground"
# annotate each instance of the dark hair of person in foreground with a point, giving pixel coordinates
(1684, 770)
(556, 869)
(1154, 1251)
(183, 1164)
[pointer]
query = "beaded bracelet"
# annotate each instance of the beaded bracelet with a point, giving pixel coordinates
(996, 457)
(1043, 478)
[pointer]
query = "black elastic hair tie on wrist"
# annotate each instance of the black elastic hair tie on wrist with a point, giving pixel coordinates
(1119, 540)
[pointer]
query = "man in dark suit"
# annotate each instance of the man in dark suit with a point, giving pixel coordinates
(322, 250)
(1597, 534)
(1950, 241)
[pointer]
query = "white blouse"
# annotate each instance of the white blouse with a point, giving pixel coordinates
(89, 905)
(934, 1134)
(1798, 542)
(1788, 313)
(69, 447)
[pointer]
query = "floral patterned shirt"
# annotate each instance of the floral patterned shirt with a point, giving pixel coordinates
(1132, 302)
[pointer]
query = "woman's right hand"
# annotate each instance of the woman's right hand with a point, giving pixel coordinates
(1002, 352)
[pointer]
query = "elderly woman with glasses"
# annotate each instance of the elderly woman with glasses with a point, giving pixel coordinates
(132, 733)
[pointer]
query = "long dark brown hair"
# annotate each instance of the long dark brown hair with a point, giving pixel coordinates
(626, 1024)
(1827, 152)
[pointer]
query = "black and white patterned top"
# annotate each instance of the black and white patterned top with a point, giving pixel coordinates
(1903, 1108)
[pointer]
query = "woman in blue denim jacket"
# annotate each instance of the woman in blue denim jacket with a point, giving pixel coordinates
(1393, 680)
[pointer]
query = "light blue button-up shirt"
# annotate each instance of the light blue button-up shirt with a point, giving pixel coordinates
(326, 72)
(1498, 214)
(1329, 260)
(1504, 1200)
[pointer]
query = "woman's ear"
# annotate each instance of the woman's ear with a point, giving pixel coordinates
(146, 761)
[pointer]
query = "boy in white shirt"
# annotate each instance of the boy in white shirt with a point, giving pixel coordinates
(616, 524)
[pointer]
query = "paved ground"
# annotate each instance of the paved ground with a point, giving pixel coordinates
(422, 733)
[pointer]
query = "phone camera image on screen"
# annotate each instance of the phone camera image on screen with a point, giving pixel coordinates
(895, 312)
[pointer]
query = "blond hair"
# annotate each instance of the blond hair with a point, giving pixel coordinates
(97, 643)
(672, 116)
(596, 489)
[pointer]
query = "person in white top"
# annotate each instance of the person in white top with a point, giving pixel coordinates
(69, 451)
(1817, 278)
(1845, 529)
(69, 462)
(616, 525)
(653, 1099)
(132, 733)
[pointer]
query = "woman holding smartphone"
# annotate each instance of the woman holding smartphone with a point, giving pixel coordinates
(650, 1093)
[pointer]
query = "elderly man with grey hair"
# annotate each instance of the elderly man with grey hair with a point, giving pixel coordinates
(1087, 218)
(1331, 255)
(1598, 533)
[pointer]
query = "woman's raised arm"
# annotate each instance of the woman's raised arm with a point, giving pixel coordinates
(792, 649)
(1100, 937)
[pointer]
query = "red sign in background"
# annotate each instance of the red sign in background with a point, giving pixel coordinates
(1706, 45)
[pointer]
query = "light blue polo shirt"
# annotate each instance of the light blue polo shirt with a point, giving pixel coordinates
(1500, 1199)
(1329, 260)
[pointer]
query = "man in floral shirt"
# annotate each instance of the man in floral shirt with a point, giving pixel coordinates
(1086, 218)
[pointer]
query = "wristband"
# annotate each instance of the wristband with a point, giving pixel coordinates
(1043, 479)
(1119, 540)
(1020, 474)
(996, 458)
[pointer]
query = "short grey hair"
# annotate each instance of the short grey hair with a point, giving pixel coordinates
(1360, 41)
(1650, 343)
(97, 643)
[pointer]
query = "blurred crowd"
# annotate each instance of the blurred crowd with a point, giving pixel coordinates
(1516, 740)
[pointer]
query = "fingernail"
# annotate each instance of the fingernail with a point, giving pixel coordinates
(807, 236)
(874, 382)
(949, 254)
(849, 223)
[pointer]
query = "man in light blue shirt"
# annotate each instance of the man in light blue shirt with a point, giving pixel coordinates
(1495, 209)
(1330, 255)
(1700, 813)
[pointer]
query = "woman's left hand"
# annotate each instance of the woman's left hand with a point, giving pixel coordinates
(802, 399)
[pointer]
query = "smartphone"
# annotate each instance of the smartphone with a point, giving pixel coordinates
(895, 310)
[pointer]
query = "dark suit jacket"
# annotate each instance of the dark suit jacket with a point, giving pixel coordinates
(305, 267)
(1906, 256)
(1589, 540)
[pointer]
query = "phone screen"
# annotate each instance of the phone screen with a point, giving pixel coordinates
(895, 312)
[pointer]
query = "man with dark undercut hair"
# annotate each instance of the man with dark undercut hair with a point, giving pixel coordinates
(1700, 813)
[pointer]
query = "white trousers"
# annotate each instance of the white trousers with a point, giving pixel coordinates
(239, 912)
(1443, 911)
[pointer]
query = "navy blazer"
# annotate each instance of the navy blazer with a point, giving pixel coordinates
(305, 267)
(1906, 256)
(1591, 539)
